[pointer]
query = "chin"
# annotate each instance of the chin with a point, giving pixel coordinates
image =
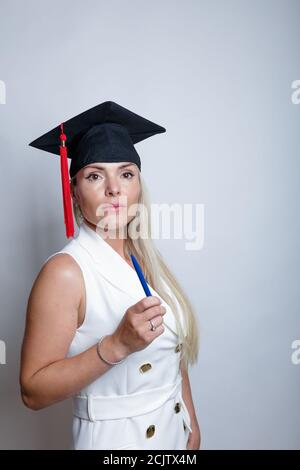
(112, 222)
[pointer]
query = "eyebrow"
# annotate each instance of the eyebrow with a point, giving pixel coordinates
(103, 168)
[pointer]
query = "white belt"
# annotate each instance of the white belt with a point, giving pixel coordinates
(96, 407)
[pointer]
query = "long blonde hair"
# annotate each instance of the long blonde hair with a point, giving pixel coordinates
(159, 276)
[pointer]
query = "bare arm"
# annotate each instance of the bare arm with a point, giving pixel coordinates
(46, 375)
(195, 437)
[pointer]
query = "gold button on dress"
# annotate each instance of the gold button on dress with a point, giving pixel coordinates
(150, 430)
(177, 407)
(145, 367)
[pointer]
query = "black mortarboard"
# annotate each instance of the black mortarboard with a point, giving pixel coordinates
(105, 133)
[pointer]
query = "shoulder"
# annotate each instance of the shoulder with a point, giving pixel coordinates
(62, 265)
(59, 276)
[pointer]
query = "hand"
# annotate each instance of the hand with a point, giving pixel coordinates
(194, 440)
(133, 332)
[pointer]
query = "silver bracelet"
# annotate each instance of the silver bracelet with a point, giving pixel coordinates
(101, 357)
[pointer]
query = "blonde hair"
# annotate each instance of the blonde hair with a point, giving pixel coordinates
(159, 276)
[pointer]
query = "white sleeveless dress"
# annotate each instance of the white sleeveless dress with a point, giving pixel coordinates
(137, 404)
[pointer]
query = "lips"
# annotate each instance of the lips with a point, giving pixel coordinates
(111, 206)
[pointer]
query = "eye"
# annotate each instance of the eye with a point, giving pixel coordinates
(128, 173)
(91, 177)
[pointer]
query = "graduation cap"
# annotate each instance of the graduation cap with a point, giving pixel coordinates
(105, 133)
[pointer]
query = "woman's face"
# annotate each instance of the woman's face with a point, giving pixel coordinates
(100, 185)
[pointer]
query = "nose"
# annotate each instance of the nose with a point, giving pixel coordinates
(112, 187)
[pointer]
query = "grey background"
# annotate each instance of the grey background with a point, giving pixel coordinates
(218, 76)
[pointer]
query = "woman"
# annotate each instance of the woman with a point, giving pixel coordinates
(91, 333)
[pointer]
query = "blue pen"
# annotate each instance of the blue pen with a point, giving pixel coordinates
(140, 275)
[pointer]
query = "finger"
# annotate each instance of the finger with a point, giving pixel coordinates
(154, 311)
(157, 321)
(154, 333)
(145, 303)
(158, 327)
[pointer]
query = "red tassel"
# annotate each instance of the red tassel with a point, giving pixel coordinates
(66, 190)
